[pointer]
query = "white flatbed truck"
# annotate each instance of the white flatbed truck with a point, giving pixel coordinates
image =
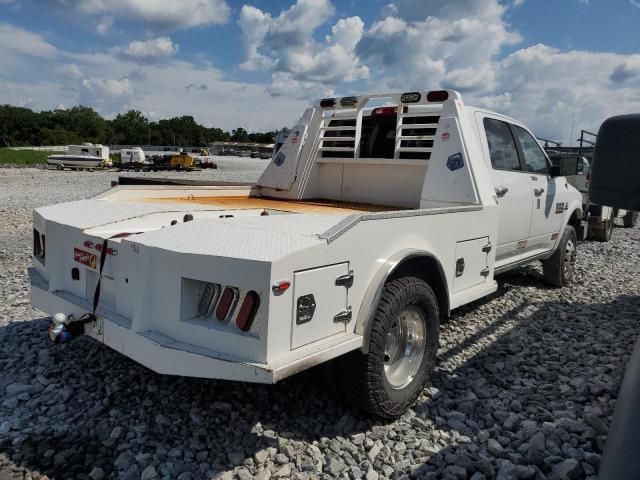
(367, 228)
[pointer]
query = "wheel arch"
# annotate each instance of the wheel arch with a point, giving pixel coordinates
(417, 263)
(575, 218)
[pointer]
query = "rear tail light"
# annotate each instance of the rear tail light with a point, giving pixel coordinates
(38, 244)
(248, 311)
(227, 304)
(209, 298)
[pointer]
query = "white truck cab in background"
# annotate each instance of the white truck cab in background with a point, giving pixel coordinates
(378, 215)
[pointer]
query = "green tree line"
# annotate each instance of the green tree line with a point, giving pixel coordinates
(23, 127)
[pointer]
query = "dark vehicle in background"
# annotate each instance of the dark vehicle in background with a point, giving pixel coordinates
(615, 182)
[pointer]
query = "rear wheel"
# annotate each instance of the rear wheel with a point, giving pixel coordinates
(60, 167)
(630, 219)
(402, 350)
(605, 232)
(558, 270)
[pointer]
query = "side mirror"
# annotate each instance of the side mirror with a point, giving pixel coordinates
(580, 166)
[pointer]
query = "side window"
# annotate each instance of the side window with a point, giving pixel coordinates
(502, 147)
(533, 154)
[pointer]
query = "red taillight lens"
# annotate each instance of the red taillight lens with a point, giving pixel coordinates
(437, 96)
(248, 311)
(88, 244)
(227, 303)
(385, 111)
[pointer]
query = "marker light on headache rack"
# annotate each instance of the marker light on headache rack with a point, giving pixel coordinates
(328, 102)
(380, 111)
(438, 96)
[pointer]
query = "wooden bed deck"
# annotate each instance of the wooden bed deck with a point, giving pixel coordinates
(301, 206)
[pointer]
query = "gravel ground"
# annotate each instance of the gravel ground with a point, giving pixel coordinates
(525, 385)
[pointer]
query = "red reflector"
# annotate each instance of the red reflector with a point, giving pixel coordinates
(112, 251)
(99, 247)
(437, 96)
(248, 311)
(328, 102)
(88, 244)
(280, 287)
(227, 303)
(385, 111)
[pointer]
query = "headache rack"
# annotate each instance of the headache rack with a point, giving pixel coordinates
(411, 121)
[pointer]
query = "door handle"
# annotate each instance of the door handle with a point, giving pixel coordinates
(501, 191)
(538, 191)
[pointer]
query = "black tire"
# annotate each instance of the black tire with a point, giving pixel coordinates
(363, 378)
(559, 268)
(605, 233)
(630, 220)
(60, 167)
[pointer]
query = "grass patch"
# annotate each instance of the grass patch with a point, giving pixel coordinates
(23, 157)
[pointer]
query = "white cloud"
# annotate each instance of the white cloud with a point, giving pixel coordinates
(148, 50)
(112, 83)
(440, 43)
(104, 25)
(545, 87)
(23, 42)
(160, 14)
(107, 94)
(70, 70)
(286, 45)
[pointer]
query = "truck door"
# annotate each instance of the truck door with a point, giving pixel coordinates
(547, 209)
(513, 190)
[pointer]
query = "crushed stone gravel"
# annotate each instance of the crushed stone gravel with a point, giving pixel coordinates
(525, 385)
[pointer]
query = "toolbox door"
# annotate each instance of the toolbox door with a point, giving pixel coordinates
(471, 263)
(319, 304)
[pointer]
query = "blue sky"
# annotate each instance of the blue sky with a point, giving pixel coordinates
(258, 64)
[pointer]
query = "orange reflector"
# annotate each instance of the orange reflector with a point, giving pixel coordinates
(248, 311)
(227, 303)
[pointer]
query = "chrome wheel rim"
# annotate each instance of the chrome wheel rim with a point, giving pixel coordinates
(570, 253)
(404, 347)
